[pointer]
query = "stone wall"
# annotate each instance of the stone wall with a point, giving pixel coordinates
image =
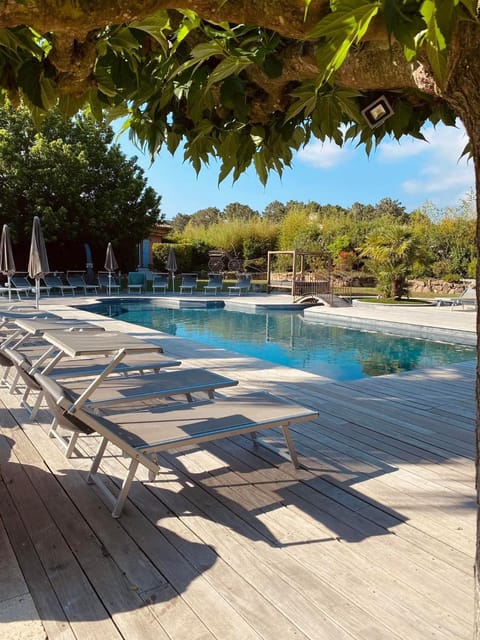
(432, 285)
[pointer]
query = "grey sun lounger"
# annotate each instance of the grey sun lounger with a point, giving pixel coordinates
(242, 285)
(468, 297)
(115, 393)
(142, 433)
(24, 370)
(77, 281)
(189, 283)
(119, 390)
(55, 282)
(214, 284)
(160, 282)
(107, 283)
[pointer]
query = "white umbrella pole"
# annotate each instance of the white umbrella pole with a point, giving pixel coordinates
(37, 292)
(109, 283)
(9, 285)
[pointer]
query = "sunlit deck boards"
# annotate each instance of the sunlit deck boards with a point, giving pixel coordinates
(374, 541)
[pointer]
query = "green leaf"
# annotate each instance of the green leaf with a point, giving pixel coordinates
(191, 21)
(226, 68)
(306, 100)
(257, 134)
(232, 92)
(307, 6)
(48, 92)
(341, 29)
(173, 139)
(69, 105)
(28, 78)
(471, 6)
(272, 66)
(95, 106)
(155, 26)
(123, 40)
(435, 39)
(260, 167)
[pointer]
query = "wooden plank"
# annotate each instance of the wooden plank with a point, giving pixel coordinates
(229, 588)
(405, 485)
(165, 603)
(351, 519)
(46, 602)
(108, 580)
(12, 583)
(337, 569)
(316, 491)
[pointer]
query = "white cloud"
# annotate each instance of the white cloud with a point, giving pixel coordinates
(439, 168)
(323, 155)
(399, 151)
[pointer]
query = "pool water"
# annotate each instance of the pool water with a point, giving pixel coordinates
(287, 339)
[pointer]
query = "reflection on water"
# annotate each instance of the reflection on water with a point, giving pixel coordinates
(286, 338)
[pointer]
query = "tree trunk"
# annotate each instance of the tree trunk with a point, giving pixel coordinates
(476, 633)
(462, 92)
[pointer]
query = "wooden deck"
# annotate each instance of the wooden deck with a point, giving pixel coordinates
(374, 540)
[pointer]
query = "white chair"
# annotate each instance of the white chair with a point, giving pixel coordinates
(468, 297)
(160, 282)
(242, 285)
(214, 284)
(189, 283)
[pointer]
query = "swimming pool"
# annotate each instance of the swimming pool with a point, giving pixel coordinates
(286, 338)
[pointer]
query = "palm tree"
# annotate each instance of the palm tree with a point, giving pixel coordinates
(392, 250)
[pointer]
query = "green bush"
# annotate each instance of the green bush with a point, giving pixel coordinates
(183, 252)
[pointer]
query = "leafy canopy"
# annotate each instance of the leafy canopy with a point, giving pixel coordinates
(231, 91)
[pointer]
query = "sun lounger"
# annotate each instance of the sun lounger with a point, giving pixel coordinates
(468, 297)
(23, 285)
(189, 283)
(138, 390)
(16, 291)
(86, 369)
(115, 391)
(54, 282)
(160, 282)
(77, 281)
(136, 281)
(242, 285)
(214, 284)
(142, 433)
(108, 283)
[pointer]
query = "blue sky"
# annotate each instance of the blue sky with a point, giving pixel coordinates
(412, 172)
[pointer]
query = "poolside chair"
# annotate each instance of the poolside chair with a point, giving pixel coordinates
(54, 282)
(108, 283)
(75, 279)
(160, 282)
(20, 282)
(189, 283)
(214, 284)
(242, 285)
(468, 297)
(136, 281)
(141, 433)
(7, 291)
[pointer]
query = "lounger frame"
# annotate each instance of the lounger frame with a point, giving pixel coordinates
(173, 428)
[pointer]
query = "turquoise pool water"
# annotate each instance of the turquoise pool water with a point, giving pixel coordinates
(286, 338)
